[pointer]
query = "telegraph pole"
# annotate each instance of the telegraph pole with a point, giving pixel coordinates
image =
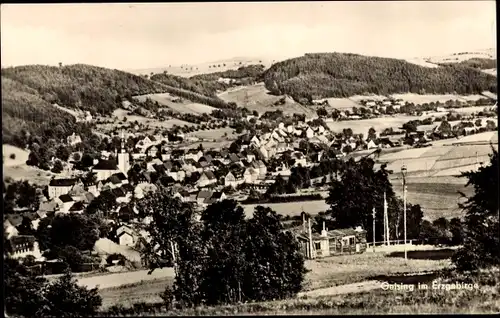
(373, 216)
(403, 171)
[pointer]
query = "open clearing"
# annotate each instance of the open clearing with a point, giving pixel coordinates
(19, 155)
(347, 272)
(290, 208)
(165, 100)
(427, 98)
(121, 113)
(257, 97)
(17, 169)
(188, 70)
(362, 126)
(221, 133)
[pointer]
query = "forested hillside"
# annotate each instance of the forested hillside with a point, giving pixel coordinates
(479, 63)
(207, 84)
(25, 113)
(86, 87)
(341, 75)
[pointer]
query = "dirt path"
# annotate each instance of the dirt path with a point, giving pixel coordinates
(126, 278)
(343, 289)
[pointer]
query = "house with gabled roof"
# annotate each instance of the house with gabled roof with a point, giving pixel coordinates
(194, 154)
(250, 175)
(203, 195)
(23, 245)
(65, 202)
(206, 178)
(58, 187)
(77, 207)
(105, 169)
(234, 178)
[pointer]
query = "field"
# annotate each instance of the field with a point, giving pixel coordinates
(188, 70)
(436, 199)
(290, 208)
(257, 97)
(491, 71)
(342, 103)
(218, 134)
(184, 107)
(323, 274)
(362, 126)
(427, 98)
(17, 169)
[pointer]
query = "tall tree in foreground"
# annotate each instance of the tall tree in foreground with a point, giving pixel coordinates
(481, 225)
(27, 295)
(223, 258)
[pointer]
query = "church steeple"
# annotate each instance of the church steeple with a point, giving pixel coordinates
(122, 137)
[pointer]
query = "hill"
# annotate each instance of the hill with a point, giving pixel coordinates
(26, 113)
(324, 75)
(209, 84)
(189, 70)
(85, 87)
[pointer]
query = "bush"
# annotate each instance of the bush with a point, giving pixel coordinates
(12, 156)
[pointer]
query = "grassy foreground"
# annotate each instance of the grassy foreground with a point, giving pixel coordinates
(324, 273)
(484, 299)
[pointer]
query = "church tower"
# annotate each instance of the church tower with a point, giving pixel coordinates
(123, 157)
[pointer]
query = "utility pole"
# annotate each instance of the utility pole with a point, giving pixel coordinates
(310, 238)
(386, 220)
(403, 171)
(373, 216)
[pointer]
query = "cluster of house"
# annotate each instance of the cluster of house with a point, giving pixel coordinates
(198, 177)
(328, 243)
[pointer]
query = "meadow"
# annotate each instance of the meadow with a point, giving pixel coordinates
(257, 97)
(362, 126)
(327, 276)
(290, 208)
(217, 134)
(17, 169)
(165, 100)
(428, 98)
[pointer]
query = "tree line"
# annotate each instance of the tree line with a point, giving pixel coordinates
(343, 75)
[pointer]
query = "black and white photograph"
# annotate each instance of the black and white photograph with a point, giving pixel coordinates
(250, 158)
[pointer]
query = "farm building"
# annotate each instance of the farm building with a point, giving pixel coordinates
(330, 243)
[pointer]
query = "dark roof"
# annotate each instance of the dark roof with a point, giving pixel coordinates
(106, 165)
(17, 240)
(168, 165)
(65, 198)
(127, 210)
(193, 151)
(77, 206)
(207, 158)
(62, 182)
(197, 165)
(217, 163)
(145, 176)
(127, 187)
(114, 179)
(234, 157)
(217, 195)
(210, 175)
(204, 194)
(121, 176)
(118, 192)
(237, 173)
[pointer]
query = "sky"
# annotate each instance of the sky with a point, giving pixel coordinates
(133, 36)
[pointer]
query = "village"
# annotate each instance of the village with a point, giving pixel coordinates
(243, 172)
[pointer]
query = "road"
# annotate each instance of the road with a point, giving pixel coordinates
(343, 289)
(125, 278)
